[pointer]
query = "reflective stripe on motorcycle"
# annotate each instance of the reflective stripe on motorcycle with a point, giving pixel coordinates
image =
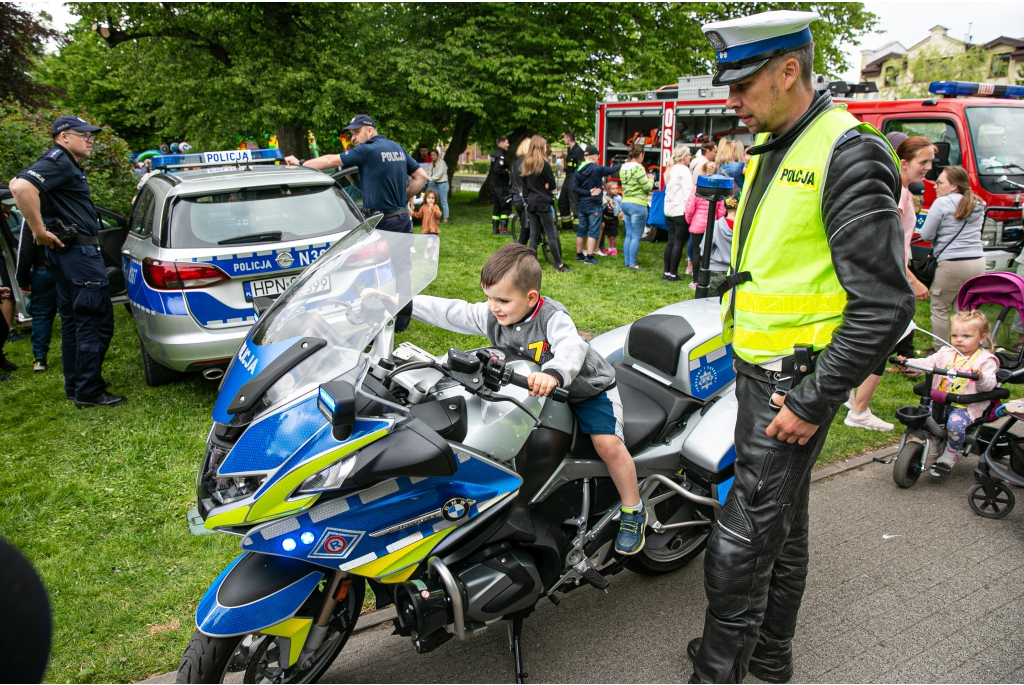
(765, 303)
(817, 335)
(386, 568)
(294, 631)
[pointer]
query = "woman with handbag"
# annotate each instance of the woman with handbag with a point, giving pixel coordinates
(954, 228)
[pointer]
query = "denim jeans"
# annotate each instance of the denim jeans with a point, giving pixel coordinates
(590, 224)
(43, 309)
(442, 195)
(636, 219)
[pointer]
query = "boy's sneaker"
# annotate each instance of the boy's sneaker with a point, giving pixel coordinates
(630, 539)
(40, 365)
(868, 421)
(580, 257)
(587, 259)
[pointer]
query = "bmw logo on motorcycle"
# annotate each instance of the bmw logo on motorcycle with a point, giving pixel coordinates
(455, 508)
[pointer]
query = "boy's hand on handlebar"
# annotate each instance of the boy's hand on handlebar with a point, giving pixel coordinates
(541, 384)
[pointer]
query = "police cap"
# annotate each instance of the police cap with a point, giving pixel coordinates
(745, 45)
(67, 122)
(360, 120)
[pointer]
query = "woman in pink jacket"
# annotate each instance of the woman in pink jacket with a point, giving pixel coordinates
(697, 217)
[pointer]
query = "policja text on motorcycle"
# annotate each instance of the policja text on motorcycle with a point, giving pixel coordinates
(816, 297)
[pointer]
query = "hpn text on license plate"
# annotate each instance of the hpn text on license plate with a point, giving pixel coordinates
(267, 286)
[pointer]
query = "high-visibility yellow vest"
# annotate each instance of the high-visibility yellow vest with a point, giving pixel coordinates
(793, 296)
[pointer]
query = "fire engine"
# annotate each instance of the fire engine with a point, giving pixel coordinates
(975, 125)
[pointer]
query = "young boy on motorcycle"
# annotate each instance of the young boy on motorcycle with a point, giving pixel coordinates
(516, 316)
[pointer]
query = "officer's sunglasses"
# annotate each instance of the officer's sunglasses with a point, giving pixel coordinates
(84, 136)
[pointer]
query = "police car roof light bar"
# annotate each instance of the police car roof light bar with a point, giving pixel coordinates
(952, 89)
(218, 158)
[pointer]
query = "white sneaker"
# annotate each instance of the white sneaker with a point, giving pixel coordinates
(867, 421)
(849, 402)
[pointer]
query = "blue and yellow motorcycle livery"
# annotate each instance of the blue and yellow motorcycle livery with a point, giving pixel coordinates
(341, 461)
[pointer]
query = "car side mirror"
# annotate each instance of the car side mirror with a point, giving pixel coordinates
(337, 402)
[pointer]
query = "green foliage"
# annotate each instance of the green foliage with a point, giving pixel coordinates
(428, 72)
(25, 136)
(1020, 75)
(929, 65)
(481, 166)
(22, 39)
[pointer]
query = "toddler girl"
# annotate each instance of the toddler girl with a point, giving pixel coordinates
(969, 331)
(431, 214)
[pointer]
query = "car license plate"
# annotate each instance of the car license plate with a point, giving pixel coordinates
(267, 287)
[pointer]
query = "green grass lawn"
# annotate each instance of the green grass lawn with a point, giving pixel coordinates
(97, 498)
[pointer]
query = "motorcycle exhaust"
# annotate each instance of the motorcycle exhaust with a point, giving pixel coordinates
(422, 614)
(213, 374)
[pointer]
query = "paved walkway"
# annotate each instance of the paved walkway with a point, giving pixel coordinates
(904, 586)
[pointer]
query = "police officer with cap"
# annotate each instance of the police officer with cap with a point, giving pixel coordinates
(816, 296)
(389, 178)
(53, 196)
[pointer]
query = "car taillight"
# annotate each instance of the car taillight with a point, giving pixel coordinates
(375, 253)
(180, 275)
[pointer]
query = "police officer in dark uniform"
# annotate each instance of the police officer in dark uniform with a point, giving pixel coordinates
(501, 182)
(390, 177)
(53, 195)
(568, 200)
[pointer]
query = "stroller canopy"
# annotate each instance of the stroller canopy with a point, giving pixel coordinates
(997, 287)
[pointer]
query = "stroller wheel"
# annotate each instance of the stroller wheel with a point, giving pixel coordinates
(992, 501)
(909, 464)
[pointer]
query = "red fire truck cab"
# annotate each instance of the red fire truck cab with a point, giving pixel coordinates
(985, 135)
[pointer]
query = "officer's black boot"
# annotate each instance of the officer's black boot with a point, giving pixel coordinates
(774, 665)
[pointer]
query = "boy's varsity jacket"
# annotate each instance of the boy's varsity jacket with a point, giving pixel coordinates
(547, 335)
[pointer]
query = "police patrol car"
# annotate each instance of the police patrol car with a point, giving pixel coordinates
(214, 237)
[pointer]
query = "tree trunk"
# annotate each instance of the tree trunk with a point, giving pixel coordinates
(464, 122)
(293, 141)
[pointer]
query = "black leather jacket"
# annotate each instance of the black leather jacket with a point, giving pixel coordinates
(865, 236)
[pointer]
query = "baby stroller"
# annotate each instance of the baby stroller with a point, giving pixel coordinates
(926, 421)
(1002, 460)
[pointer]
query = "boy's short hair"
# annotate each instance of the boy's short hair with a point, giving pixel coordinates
(514, 260)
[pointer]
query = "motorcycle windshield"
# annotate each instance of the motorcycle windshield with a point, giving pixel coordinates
(344, 298)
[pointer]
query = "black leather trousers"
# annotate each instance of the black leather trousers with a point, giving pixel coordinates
(755, 566)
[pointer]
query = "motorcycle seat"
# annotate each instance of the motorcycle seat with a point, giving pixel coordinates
(651, 412)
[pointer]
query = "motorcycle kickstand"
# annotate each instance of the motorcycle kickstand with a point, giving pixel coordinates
(515, 634)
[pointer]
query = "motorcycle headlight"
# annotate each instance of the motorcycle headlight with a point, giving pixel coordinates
(329, 478)
(228, 490)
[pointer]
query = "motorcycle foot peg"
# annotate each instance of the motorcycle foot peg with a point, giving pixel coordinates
(554, 600)
(596, 579)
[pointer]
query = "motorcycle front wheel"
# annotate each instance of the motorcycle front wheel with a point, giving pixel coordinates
(212, 659)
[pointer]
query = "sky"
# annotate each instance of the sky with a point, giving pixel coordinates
(907, 22)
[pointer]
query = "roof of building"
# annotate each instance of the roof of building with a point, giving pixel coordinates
(875, 68)
(1004, 40)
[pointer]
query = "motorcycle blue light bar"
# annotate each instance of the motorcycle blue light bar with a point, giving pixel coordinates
(716, 181)
(328, 402)
(968, 88)
(218, 158)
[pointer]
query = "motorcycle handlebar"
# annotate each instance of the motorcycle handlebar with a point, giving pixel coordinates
(558, 394)
(934, 370)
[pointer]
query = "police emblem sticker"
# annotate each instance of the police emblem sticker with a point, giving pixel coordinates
(455, 509)
(335, 543)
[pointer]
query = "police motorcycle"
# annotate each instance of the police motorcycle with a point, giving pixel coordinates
(341, 461)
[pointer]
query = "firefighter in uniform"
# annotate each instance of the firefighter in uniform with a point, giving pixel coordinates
(54, 198)
(816, 296)
(568, 200)
(501, 182)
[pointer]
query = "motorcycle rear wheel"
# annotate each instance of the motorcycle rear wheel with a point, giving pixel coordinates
(681, 549)
(210, 659)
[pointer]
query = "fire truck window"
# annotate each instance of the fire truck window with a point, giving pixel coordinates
(998, 137)
(939, 131)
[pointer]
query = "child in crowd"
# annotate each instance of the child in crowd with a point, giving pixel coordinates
(969, 331)
(697, 217)
(430, 213)
(612, 213)
(722, 246)
(516, 316)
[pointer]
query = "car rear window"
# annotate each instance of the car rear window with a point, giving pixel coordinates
(249, 216)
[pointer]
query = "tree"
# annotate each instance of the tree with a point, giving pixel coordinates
(22, 39)
(929, 65)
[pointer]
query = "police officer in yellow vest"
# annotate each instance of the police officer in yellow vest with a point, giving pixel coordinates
(816, 296)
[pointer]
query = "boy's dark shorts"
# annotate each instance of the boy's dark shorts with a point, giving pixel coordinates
(601, 414)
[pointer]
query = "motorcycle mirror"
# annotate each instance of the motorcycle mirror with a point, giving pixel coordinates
(337, 402)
